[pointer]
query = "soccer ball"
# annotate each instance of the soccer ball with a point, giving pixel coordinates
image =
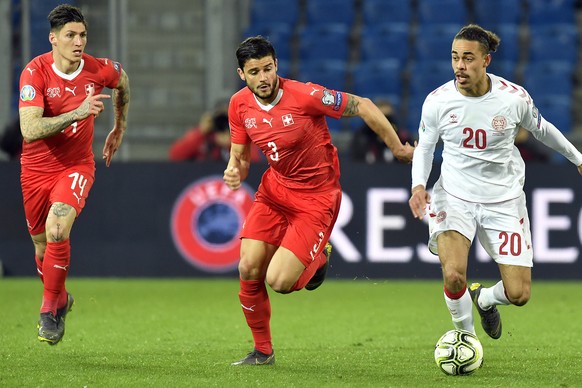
(458, 352)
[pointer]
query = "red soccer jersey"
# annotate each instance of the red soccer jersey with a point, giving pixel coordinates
(291, 132)
(41, 84)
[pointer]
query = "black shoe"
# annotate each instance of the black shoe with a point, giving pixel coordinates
(50, 329)
(257, 358)
(63, 311)
(490, 319)
(319, 275)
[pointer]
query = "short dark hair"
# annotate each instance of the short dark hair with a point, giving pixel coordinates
(255, 47)
(63, 14)
(488, 40)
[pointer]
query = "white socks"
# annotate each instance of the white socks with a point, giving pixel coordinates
(492, 296)
(462, 311)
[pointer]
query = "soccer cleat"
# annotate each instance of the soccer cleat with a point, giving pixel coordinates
(490, 319)
(319, 275)
(257, 357)
(63, 311)
(50, 328)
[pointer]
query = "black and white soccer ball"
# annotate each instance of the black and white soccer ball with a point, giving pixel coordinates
(458, 352)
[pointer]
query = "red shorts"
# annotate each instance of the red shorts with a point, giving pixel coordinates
(41, 190)
(299, 221)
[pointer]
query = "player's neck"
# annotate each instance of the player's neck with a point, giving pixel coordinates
(64, 65)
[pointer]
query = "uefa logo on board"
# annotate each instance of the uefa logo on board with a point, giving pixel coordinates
(206, 221)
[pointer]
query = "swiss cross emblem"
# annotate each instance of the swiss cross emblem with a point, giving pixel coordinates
(89, 88)
(287, 119)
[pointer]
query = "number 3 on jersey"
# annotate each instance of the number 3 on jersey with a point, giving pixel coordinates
(275, 154)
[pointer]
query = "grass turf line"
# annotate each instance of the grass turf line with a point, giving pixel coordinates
(185, 333)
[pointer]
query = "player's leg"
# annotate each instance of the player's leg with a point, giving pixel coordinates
(56, 264)
(67, 199)
(304, 258)
(254, 299)
(317, 279)
(453, 250)
(452, 227)
(505, 235)
(39, 242)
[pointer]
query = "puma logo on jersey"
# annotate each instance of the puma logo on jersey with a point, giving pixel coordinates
(313, 91)
(268, 122)
(68, 89)
(31, 70)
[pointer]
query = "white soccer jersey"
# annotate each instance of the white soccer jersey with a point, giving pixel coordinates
(480, 160)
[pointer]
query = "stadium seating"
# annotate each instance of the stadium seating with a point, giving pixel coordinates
(329, 41)
(557, 110)
(387, 11)
(275, 11)
(280, 35)
(549, 78)
(551, 12)
(442, 12)
(330, 11)
(424, 77)
(433, 42)
(505, 69)
(376, 79)
(509, 49)
(556, 42)
(332, 74)
(490, 13)
(385, 41)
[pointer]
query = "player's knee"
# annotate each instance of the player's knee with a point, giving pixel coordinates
(248, 270)
(518, 297)
(279, 284)
(454, 280)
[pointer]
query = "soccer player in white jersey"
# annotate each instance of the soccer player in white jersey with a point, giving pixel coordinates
(480, 190)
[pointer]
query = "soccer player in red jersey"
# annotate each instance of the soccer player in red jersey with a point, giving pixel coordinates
(285, 235)
(60, 96)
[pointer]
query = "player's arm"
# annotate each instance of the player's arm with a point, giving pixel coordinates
(35, 127)
(238, 166)
(375, 119)
(428, 137)
(121, 95)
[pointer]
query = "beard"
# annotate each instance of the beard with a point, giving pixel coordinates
(268, 95)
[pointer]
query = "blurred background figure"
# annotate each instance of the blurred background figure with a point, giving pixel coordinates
(367, 147)
(11, 139)
(209, 140)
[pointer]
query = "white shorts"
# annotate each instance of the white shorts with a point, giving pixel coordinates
(503, 228)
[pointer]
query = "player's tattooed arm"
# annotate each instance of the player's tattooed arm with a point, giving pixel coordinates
(34, 126)
(121, 101)
(352, 107)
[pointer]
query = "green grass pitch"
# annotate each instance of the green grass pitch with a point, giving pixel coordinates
(359, 333)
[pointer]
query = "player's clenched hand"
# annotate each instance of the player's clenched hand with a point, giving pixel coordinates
(92, 105)
(418, 201)
(404, 154)
(232, 178)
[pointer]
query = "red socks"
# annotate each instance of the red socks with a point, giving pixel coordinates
(457, 295)
(257, 309)
(55, 268)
